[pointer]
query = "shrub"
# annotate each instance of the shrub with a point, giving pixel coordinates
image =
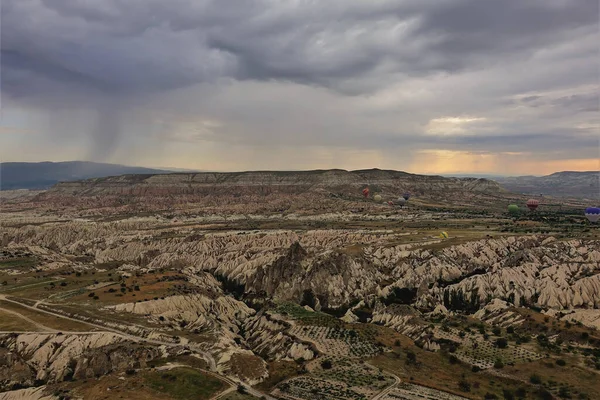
(490, 396)
(564, 392)
(498, 364)
(561, 362)
(521, 393)
(464, 385)
(497, 331)
(535, 379)
(501, 343)
(475, 368)
(508, 394)
(510, 330)
(326, 364)
(453, 359)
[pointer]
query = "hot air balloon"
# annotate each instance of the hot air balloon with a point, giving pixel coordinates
(513, 209)
(592, 214)
(406, 196)
(401, 201)
(444, 235)
(377, 198)
(390, 203)
(365, 192)
(532, 204)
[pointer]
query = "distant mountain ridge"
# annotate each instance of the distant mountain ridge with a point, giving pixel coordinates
(43, 175)
(581, 184)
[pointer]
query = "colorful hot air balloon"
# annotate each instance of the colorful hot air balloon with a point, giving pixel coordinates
(377, 198)
(401, 201)
(365, 192)
(406, 196)
(532, 204)
(513, 209)
(444, 235)
(592, 214)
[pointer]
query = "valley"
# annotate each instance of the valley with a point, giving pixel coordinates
(295, 286)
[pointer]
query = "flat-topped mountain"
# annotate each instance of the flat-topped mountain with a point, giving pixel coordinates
(334, 180)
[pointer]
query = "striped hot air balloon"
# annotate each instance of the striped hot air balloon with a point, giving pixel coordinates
(444, 235)
(592, 214)
(533, 204)
(365, 192)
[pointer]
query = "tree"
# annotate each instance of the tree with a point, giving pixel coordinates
(241, 389)
(508, 394)
(326, 364)
(453, 359)
(561, 362)
(411, 357)
(501, 343)
(498, 364)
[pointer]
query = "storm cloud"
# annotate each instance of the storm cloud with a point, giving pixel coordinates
(410, 75)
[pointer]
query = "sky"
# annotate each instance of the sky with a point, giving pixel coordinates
(505, 87)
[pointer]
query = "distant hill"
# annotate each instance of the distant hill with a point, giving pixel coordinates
(584, 184)
(42, 175)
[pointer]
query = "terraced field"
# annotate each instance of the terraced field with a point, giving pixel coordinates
(336, 341)
(407, 391)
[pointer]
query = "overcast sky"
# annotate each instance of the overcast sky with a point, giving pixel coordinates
(426, 86)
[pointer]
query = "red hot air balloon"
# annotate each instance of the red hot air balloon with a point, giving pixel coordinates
(365, 192)
(532, 204)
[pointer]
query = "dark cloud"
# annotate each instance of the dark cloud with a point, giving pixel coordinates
(272, 72)
(158, 45)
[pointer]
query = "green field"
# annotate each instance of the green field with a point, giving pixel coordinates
(299, 313)
(185, 383)
(26, 262)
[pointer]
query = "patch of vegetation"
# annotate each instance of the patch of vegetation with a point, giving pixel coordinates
(19, 263)
(184, 383)
(307, 317)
